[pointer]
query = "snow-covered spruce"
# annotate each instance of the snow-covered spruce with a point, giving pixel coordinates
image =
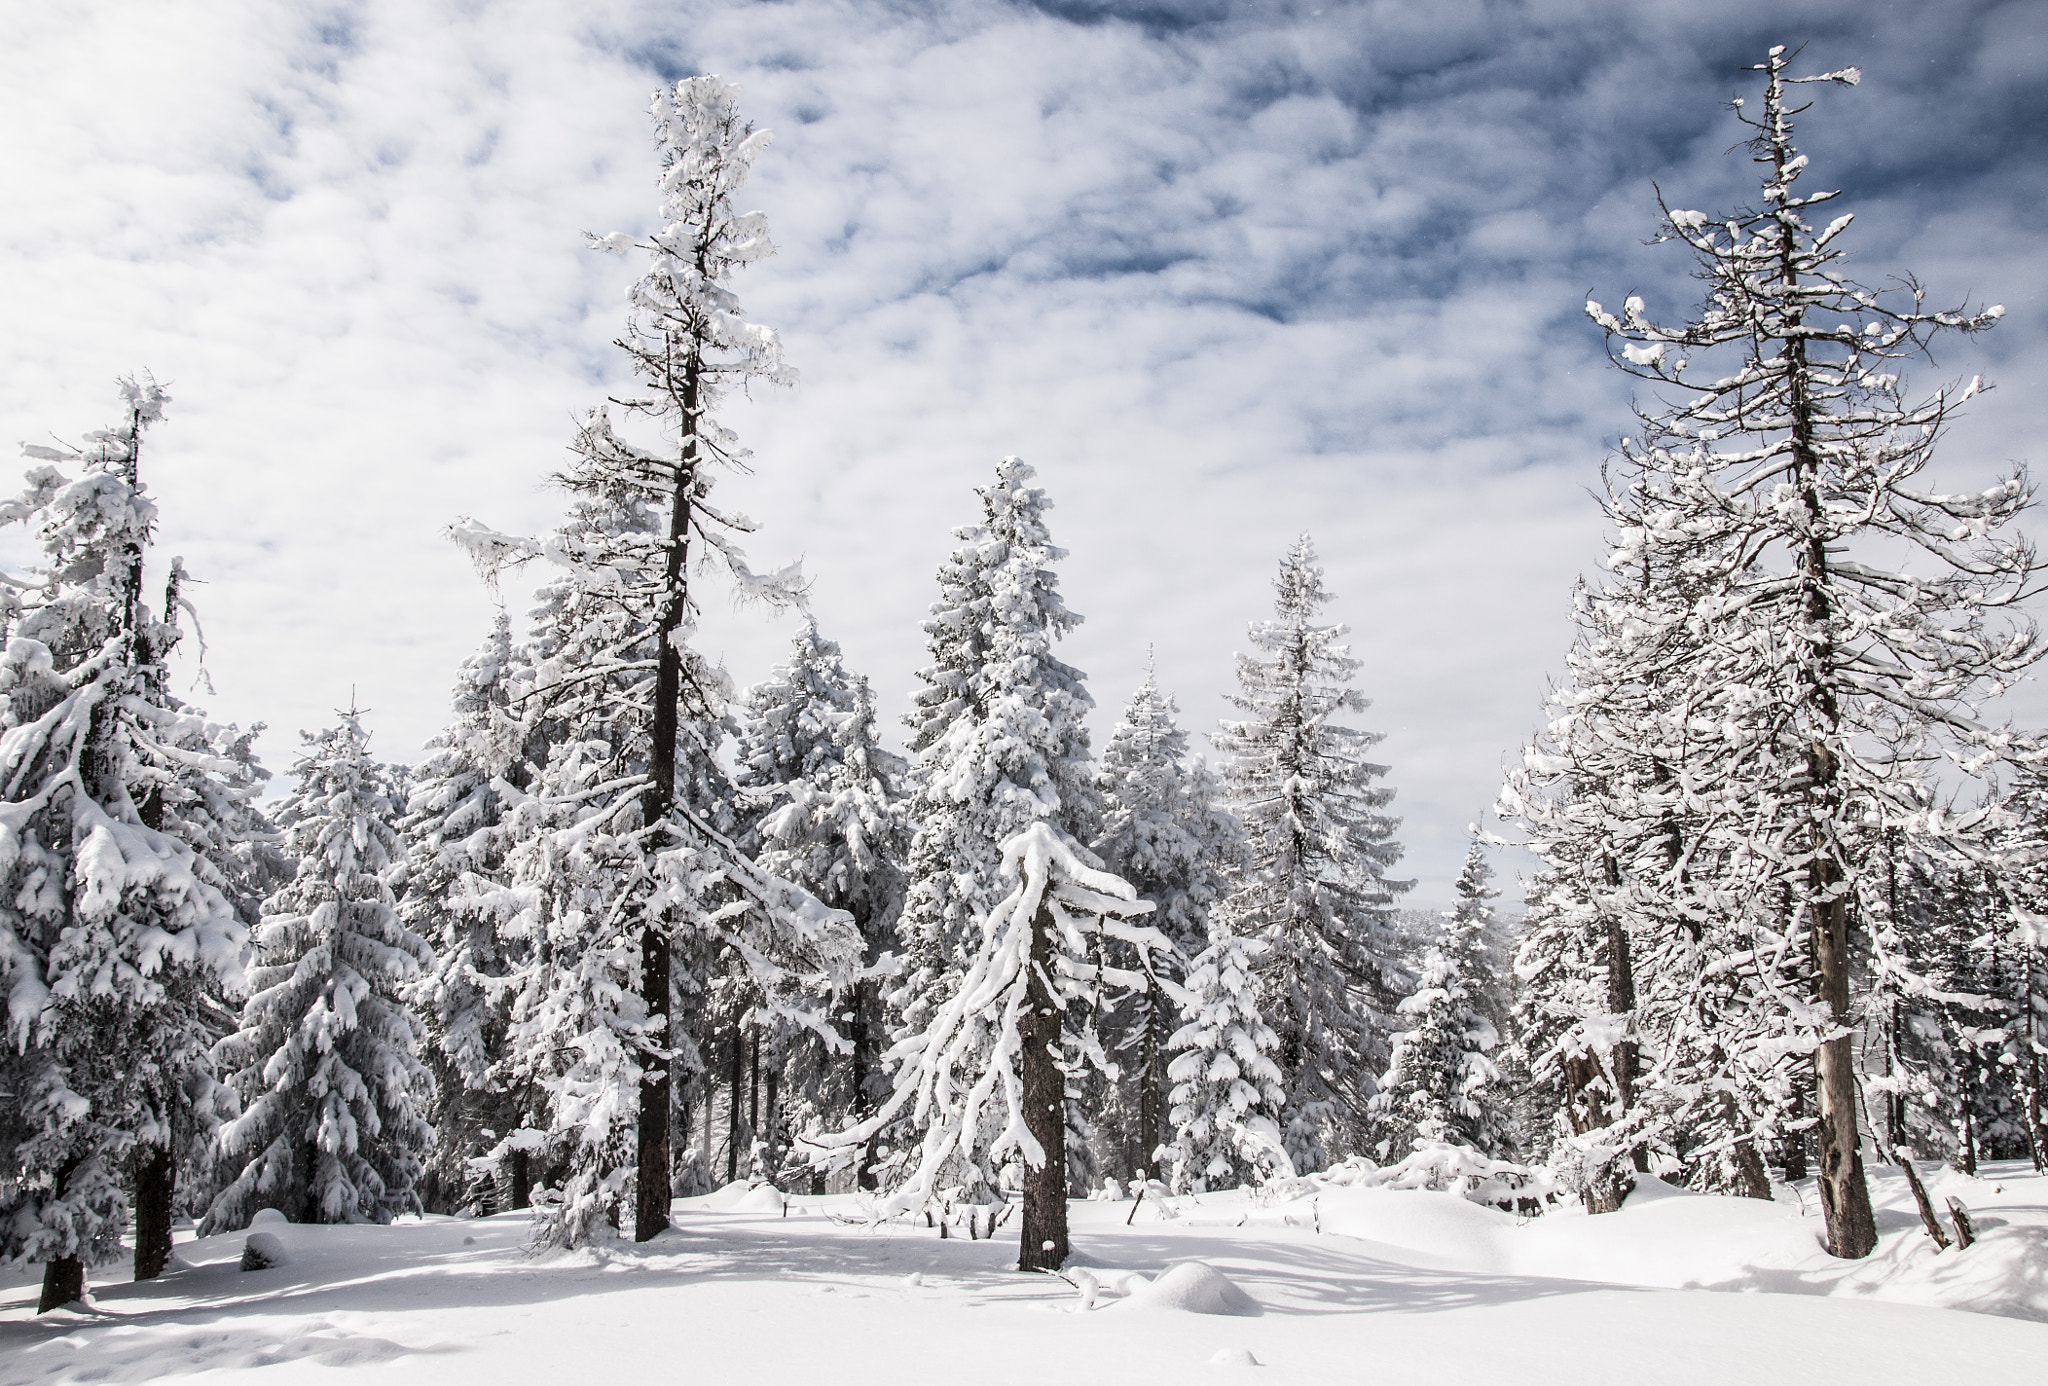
(459, 830)
(1798, 689)
(1314, 886)
(116, 937)
(829, 803)
(326, 1061)
(984, 1082)
(633, 890)
(996, 736)
(1441, 1085)
(1163, 832)
(1227, 1093)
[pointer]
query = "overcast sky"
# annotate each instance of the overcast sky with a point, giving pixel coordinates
(1221, 272)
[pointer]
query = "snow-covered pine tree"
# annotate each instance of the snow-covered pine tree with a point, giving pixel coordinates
(1789, 468)
(327, 1057)
(1319, 844)
(1227, 1093)
(985, 1081)
(1442, 1083)
(831, 819)
(996, 737)
(1163, 832)
(115, 936)
(626, 852)
(459, 831)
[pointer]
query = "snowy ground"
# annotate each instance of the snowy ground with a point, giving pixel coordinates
(1394, 1287)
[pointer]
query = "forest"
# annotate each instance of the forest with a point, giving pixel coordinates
(628, 934)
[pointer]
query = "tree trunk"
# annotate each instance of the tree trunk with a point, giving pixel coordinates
(774, 1084)
(1844, 1193)
(734, 1058)
(652, 1188)
(651, 1177)
(860, 1032)
(309, 1210)
(1044, 1240)
(522, 1179)
(63, 1277)
(155, 1183)
(1756, 1180)
(753, 1095)
(63, 1283)
(1148, 1094)
(1794, 1148)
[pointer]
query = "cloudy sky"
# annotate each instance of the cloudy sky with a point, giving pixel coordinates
(1223, 272)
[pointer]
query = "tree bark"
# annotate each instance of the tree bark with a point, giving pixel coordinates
(733, 1059)
(522, 1179)
(155, 1183)
(1148, 1095)
(63, 1277)
(1044, 1238)
(861, 1033)
(1844, 1192)
(63, 1283)
(651, 1183)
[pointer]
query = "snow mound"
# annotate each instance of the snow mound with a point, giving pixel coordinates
(268, 1217)
(1195, 1287)
(742, 1197)
(262, 1251)
(1234, 1357)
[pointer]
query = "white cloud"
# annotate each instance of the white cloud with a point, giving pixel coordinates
(1219, 278)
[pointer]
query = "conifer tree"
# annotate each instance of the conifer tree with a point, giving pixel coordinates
(1773, 488)
(1442, 1083)
(830, 801)
(1314, 886)
(1227, 1093)
(1163, 832)
(626, 851)
(116, 937)
(327, 1057)
(986, 1081)
(459, 828)
(997, 737)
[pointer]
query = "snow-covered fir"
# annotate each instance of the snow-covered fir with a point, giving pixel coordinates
(989, 1080)
(459, 828)
(1227, 1093)
(634, 893)
(1162, 831)
(997, 736)
(326, 1061)
(1773, 686)
(1319, 844)
(829, 804)
(1442, 1084)
(117, 938)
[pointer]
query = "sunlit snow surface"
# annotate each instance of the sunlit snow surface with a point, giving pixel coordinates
(1395, 1287)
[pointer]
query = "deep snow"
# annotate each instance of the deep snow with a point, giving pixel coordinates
(1396, 1286)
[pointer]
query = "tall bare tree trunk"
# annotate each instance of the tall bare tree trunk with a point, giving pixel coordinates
(653, 1191)
(1044, 1235)
(1844, 1192)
